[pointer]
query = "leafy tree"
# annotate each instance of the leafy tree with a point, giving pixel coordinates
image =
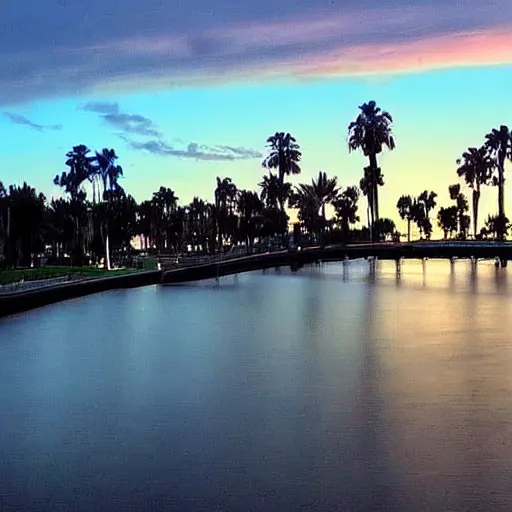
(26, 210)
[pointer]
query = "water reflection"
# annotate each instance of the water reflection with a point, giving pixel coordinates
(363, 385)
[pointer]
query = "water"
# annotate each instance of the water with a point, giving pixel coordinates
(341, 387)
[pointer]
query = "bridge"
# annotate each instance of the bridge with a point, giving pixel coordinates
(195, 269)
(216, 267)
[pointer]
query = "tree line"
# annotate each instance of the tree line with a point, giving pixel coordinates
(93, 228)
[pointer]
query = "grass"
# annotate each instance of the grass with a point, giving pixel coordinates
(51, 272)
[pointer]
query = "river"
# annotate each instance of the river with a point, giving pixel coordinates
(340, 387)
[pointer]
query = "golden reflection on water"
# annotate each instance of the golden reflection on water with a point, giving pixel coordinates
(440, 332)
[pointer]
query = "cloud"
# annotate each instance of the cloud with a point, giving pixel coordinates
(193, 150)
(19, 119)
(135, 124)
(128, 123)
(100, 107)
(151, 45)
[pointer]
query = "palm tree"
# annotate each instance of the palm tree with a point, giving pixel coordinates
(166, 204)
(250, 209)
(273, 192)
(324, 189)
(345, 206)
(387, 229)
(225, 195)
(365, 184)
(475, 166)
(284, 155)
(405, 207)
(109, 173)
(462, 207)
(447, 220)
(197, 212)
(370, 132)
(81, 167)
(308, 205)
(427, 202)
(499, 144)
(496, 225)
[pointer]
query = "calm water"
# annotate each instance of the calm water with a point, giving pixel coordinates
(341, 387)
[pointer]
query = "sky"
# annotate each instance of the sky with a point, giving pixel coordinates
(187, 90)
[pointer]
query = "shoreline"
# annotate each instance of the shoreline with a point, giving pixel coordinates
(20, 302)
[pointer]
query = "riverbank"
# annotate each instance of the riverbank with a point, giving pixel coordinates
(18, 302)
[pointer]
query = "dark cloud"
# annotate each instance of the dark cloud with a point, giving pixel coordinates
(100, 107)
(128, 123)
(193, 150)
(58, 47)
(19, 119)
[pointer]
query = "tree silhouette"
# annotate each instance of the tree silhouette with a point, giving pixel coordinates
(370, 132)
(499, 144)
(406, 211)
(284, 155)
(476, 167)
(345, 206)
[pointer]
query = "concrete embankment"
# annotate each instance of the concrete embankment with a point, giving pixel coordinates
(11, 303)
(18, 302)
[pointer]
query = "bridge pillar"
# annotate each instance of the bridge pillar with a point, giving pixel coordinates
(504, 263)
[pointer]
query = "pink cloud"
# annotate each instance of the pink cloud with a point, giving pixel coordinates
(316, 43)
(478, 48)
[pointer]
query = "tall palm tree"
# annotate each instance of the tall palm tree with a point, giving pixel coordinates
(109, 173)
(370, 132)
(166, 204)
(365, 185)
(476, 167)
(81, 167)
(499, 144)
(284, 155)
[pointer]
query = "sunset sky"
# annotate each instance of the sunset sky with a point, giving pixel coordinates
(189, 90)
